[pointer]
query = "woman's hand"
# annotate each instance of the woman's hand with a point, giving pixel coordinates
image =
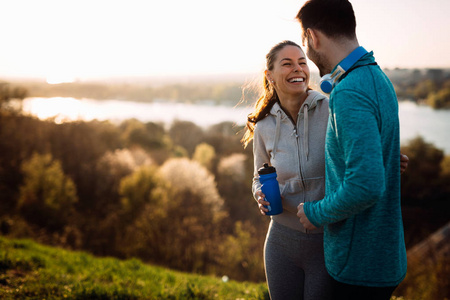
(403, 163)
(262, 202)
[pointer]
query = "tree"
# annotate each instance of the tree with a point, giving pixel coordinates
(420, 181)
(47, 195)
(150, 136)
(7, 93)
(187, 175)
(204, 154)
(440, 99)
(234, 184)
(241, 253)
(181, 226)
(136, 190)
(424, 88)
(186, 134)
(225, 139)
(424, 191)
(445, 176)
(104, 219)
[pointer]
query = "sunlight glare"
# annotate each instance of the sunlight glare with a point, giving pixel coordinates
(58, 80)
(61, 109)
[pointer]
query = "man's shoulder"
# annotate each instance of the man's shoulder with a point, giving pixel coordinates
(363, 82)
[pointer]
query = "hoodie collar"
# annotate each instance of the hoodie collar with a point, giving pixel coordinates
(310, 103)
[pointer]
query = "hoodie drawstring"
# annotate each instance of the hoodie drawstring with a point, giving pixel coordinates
(277, 134)
(305, 130)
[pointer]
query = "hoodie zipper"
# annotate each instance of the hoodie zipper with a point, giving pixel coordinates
(300, 163)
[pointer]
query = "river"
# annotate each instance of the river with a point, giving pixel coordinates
(432, 125)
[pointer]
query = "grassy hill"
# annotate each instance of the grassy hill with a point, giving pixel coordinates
(32, 271)
(29, 270)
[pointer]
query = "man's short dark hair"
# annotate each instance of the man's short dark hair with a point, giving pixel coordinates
(334, 18)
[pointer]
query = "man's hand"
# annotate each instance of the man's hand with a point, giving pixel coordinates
(304, 219)
(403, 163)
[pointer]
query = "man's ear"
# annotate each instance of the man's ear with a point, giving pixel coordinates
(314, 37)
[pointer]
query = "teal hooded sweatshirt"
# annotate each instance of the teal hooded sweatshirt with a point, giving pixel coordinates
(361, 214)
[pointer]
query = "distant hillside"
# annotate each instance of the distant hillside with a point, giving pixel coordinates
(227, 93)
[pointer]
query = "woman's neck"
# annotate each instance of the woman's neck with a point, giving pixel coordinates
(291, 105)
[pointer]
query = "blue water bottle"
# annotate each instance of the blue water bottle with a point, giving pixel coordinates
(271, 189)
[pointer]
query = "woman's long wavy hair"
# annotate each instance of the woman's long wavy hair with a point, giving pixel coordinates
(268, 95)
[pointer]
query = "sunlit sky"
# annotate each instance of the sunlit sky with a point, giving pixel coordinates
(62, 40)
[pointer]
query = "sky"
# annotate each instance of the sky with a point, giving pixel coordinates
(65, 40)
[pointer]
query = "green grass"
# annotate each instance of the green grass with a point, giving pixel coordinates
(32, 271)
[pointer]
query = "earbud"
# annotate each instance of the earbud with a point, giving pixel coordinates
(327, 83)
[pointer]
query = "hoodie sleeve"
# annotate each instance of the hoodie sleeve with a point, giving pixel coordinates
(260, 156)
(359, 166)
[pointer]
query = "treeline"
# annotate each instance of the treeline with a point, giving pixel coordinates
(226, 93)
(10, 91)
(177, 196)
(428, 86)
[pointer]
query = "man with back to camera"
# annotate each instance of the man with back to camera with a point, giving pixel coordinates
(363, 240)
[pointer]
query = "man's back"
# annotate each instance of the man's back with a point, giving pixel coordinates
(363, 177)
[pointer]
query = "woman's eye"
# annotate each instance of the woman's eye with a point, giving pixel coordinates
(286, 64)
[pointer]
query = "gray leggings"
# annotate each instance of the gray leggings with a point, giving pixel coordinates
(294, 263)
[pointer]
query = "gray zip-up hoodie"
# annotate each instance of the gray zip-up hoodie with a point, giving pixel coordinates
(298, 154)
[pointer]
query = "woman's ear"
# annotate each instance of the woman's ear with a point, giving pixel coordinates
(267, 74)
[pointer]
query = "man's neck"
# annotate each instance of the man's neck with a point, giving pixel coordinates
(338, 51)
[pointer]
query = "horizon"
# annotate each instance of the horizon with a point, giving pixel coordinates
(165, 79)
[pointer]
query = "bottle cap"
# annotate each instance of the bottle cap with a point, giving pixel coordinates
(266, 169)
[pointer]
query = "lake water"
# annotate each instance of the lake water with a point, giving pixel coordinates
(432, 125)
